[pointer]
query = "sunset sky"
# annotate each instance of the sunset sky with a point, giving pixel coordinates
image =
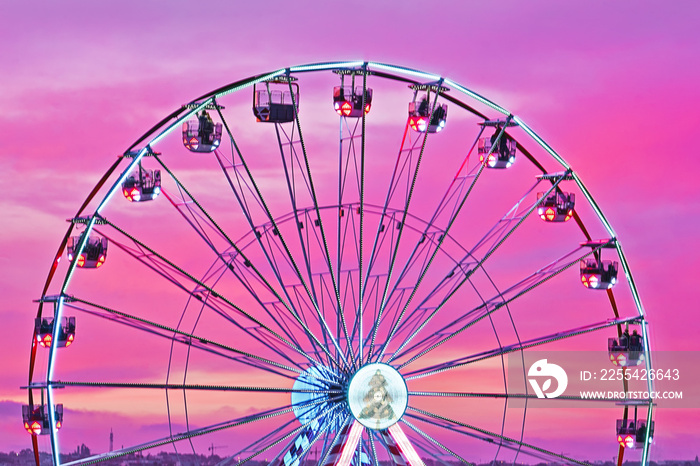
(611, 86)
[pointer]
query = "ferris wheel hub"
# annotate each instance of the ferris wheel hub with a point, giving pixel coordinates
(377, 395)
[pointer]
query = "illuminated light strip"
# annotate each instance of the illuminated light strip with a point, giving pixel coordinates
(335, 449)
(51, 412)
(300, 445)
(405, 448)
(342, 452)
(625, 267)
(476, 96)
(350, 444)
(598, 211)
(72, 266)
(325, 66)
(422, 75)
(52, 425)
(647, 437)
(393, 449)
(274, 74)
(409, 71)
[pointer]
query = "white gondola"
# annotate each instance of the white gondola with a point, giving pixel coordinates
(273, 102)
(202, 134)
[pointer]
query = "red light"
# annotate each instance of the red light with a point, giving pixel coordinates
(35, 428)
(590, 281)
(417, 124)
(193, 143)
(133, 194)
(367, 108)
(550, 214)
(81, 260)
(626, 441)
(58, 424)
(346, 108)
(336, 105)
(621, 359)
(490, 161)
(45, 341)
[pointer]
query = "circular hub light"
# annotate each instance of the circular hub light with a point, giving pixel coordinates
(377, 395)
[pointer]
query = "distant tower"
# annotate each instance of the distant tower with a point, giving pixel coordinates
(111, 440)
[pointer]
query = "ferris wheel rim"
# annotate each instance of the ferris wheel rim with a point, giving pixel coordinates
(166, 126)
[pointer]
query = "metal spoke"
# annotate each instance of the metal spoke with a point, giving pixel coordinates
(498, 234)
(436, 442)
(272, 221)
(189, 339)
(443, 235)
(522, 396)
(482, 311)
(171, 386)
(503, 350)
(240, 253)
(328, 259)
(214, 296)
(507, 442)
(409, 195)
(262, 416)
(258, 450)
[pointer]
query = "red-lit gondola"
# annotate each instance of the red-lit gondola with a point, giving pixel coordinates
(348, 101)
(598, 274)
(36, 419)
(94, 252)
(557, 207)
(424, 113)
(631, 434)
(43, 329)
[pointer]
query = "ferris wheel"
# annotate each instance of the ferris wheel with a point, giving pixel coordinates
(375, 263)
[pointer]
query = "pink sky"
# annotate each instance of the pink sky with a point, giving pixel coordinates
(613, 87)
